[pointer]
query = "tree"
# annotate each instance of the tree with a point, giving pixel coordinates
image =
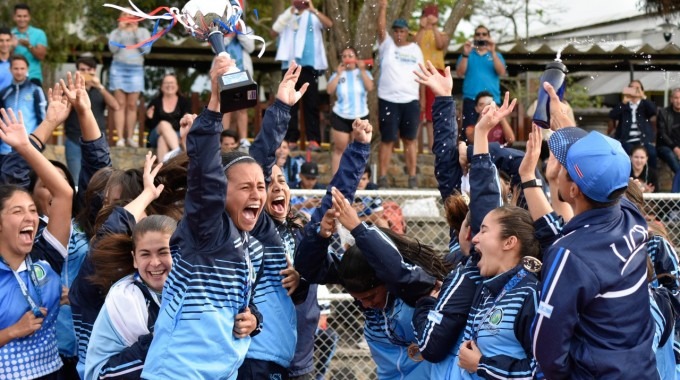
(507, 15)
(666, 8)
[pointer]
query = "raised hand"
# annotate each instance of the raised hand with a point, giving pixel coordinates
(346, 214)
(150, 174)
(58, 106)
(362, 131)
(441, 85)
(467, 47)
(327, 227)
(559, 114)
(492, 115)
(533, 152)
(12, 130)
(287, 93)
(76, 92)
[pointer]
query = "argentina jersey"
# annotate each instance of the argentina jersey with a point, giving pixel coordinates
(352, 100)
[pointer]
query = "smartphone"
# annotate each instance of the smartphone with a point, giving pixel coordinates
(630, 91)
(479, 43)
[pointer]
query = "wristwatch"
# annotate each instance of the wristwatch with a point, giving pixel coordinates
(532, 183)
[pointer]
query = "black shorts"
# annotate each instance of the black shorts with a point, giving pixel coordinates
(343, 125)
(398, 120)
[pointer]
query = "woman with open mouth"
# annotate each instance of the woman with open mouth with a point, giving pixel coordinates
(207, 317)
(32, 291)
(131, 263)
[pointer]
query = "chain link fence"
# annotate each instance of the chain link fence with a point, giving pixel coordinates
(341, 350)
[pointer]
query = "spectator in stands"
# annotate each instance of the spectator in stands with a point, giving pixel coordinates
(481, 67)
(641, 172)
(668, 139)
(501, 133)
(309, 173)
(229, 141)
(239, 47)
(100, 98)
(631, 121)
(126, 80)
(433, 43)
(299, 30)
(30, 42)
(399, 101)
(350, 84)
(23, 96)
(5, 53)
(163, 115)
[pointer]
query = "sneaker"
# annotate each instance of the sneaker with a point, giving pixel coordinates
(244, 143)
(120, 143)
(382, 182)
(131, 142)
(313, 146)
(413, 182)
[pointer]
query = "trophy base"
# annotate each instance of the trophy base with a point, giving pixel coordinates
(237, 91)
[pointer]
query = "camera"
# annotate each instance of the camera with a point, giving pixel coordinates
(479, 43)
(301, 5)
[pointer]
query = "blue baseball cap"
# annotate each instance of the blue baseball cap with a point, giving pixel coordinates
(596, 163)
(400, 23)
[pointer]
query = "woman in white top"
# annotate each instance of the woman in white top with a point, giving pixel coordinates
(351, 84)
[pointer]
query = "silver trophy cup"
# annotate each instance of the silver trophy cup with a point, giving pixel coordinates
(210, 20)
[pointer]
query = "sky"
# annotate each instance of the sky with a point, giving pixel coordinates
(572, 13)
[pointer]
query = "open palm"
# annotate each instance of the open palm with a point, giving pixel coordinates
(12, 130)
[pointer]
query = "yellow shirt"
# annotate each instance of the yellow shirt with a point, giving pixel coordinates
(430, 51)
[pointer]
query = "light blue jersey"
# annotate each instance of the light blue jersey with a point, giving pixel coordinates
(352, 100)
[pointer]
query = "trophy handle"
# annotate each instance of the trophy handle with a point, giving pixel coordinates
(216, 40)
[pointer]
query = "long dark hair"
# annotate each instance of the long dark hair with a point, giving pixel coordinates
(33, 179)
(93, 200)
(356, 273)
(415, 252)
(112, 254)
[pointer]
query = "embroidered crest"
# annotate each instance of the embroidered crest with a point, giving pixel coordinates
(40, 273)
(496, 317)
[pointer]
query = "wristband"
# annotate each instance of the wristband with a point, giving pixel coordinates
(465, 55)
(38, 142)
(532, 183)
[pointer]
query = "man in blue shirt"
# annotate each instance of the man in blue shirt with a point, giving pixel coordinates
(5, 52)
(29, 41)
(23, 96)
(481, 67)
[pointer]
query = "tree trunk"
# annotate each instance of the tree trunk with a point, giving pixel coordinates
(457, 14)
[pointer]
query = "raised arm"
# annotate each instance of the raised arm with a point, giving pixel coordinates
(311, 254)
(275, 121)
(446, 166)
(13, 132)
(382, 22)
(206, 182)
(408, 282)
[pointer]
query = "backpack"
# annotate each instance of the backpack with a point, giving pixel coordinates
(394, 217)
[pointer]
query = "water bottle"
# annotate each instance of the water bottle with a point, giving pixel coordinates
(555, 73)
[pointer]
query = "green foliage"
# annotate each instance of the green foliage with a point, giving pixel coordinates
(578, 97)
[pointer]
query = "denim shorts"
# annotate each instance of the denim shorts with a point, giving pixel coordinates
(125, 77)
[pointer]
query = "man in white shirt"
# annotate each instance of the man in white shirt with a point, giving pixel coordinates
(399, 100)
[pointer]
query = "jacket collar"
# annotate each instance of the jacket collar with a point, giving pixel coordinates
(496, 284)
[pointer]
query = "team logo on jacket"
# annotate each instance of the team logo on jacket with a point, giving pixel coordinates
(40, 273)
(496, 317)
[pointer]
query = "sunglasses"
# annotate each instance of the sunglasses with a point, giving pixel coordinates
(481, 34)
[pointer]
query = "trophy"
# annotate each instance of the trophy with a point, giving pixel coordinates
(209, 20)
